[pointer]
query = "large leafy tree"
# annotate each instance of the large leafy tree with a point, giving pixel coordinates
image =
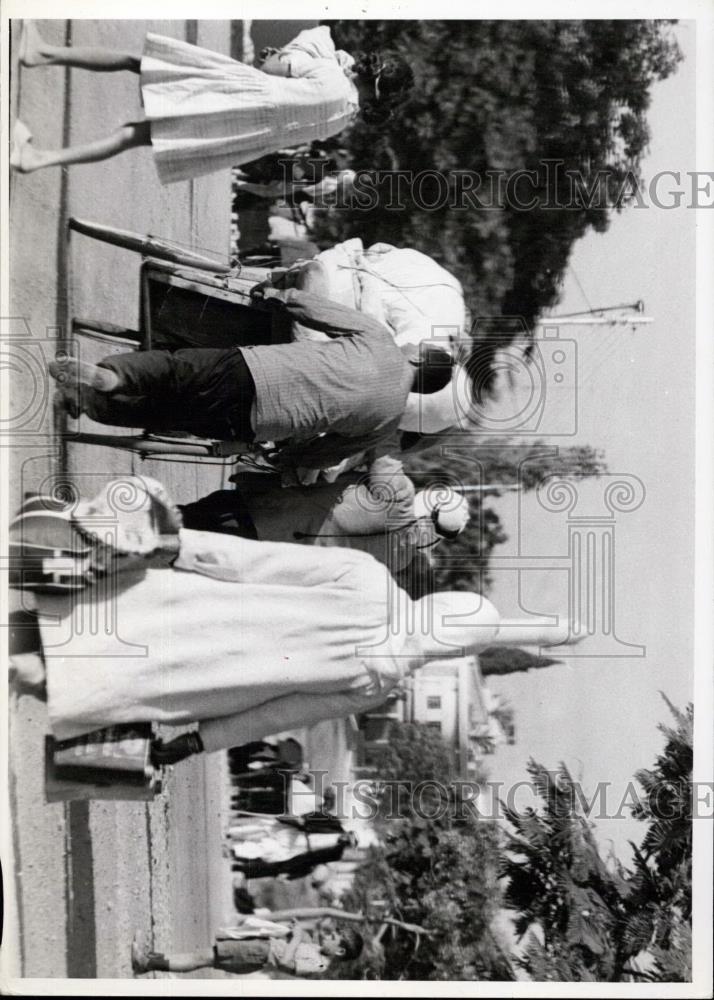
(414, 755)
(497, 98)
(437, 869)
(660, 904)
(584, 920)
(568, 901)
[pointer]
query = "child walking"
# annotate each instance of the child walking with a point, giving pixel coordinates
(205, 111)
(255, 945)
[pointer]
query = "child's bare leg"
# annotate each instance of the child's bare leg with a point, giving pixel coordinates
(35, 51)
(189, 961)
(25, 158)
(153, 961)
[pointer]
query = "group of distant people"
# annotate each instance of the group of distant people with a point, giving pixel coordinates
(270, 840)
(280, 825)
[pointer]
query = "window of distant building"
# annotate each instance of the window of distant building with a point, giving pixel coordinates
(433, 701)
(436, 726)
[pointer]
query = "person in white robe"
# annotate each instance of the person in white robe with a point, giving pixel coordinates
(244, 638)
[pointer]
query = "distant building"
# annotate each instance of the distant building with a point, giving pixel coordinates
(449, 696)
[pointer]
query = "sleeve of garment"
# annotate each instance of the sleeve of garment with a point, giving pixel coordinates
(292, 711)
(330, 317)
(242, 560)
(309, 960)
(305, 48)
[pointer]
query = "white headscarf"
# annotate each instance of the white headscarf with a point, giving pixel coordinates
(448, 509)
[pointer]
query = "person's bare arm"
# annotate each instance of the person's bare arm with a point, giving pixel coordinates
(274, 65)
(287, 961)
(321, 314)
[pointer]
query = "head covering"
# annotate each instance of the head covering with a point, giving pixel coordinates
(455, 623)
(448, 509)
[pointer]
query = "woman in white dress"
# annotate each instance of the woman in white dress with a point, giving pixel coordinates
(244, 638)
(205, 111)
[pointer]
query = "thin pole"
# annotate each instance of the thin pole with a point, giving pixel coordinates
(486, 487)
(595, 321)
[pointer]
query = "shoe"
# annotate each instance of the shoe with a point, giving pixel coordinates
(20, 152)
(31, 43)
(140, 955)
(27, 675)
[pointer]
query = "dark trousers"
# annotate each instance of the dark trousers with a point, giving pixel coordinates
(204, 391)
(296, 867)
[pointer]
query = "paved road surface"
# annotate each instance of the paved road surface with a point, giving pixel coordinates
(88, 874)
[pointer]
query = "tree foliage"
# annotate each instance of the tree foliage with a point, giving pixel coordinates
(661, 884)
(437, 868)
(463, 459)
(414, 754)
(498, 98)
(580, 918)
(499, 660)
(566, 899)
(583, 920)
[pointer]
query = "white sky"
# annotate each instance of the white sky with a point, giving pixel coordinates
(636, 402)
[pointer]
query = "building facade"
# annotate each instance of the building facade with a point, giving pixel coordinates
(451, 697)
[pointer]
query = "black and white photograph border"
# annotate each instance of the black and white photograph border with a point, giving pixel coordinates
(389, 673)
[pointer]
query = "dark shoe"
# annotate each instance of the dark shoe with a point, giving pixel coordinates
(142, 958)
